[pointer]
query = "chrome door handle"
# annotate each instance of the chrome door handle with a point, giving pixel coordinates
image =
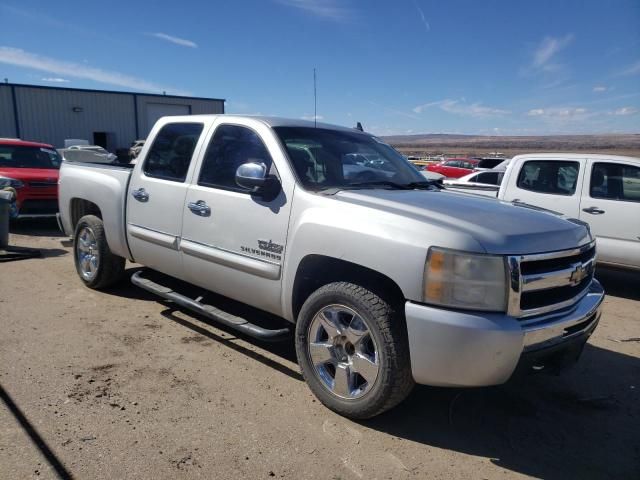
(141, 195)
(593, 210)
(200, 208)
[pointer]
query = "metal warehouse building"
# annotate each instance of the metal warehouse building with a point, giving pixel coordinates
(110, 119)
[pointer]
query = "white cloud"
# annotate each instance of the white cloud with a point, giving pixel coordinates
(632, 69)
(426, 24)
(625, 111)
(20, 58)
(55, 80)
(547, 49)
(460, 107)
(600, 88)
(310, 117)
(326, 9)
(560, 113)
(177, 40)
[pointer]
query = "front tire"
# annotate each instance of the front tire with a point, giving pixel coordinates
(97, 267)
(353, 350)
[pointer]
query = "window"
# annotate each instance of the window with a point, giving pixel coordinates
(171, 152)
(549, 176)
(230, 147)
(19, 156)
(615, 181)
(491, 178)
(324, 158)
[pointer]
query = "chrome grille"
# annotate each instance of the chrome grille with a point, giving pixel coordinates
(545, 282)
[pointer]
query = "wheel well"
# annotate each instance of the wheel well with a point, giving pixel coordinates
(81, 207)
(315, 271)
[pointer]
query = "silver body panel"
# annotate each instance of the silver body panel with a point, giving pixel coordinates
(388, 231)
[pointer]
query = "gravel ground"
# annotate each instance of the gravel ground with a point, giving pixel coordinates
(120, 385)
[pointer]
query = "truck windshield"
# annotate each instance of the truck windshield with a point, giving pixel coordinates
(19, 156)
(325, 159)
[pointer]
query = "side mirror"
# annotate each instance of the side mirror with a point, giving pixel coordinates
(254, 177)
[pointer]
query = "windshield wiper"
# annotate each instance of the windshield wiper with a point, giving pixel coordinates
(422, 185)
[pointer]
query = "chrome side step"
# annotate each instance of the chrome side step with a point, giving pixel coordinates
(209, 311)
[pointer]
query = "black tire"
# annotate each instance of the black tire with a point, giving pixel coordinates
(110, 267)
(387, 328)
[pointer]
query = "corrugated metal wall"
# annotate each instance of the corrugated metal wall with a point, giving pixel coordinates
(7, 122)
(47, 114)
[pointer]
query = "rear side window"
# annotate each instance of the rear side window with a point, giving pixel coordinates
(230, 147)
(615, 181)
(549, 176)
(170, 155)
(492, 178)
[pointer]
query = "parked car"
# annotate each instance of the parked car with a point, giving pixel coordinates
(601, 190)
(487, 163)
(31, 169)
(135, 149)
(385, 283)
(88, 153)
(454, 167)
(486, 182)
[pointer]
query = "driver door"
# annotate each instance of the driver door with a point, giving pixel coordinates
(233, 242)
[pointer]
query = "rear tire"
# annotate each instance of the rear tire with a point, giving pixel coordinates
(353, 350)
(97, 267)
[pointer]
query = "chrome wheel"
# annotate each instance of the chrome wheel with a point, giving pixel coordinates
(343, 352)
(88, 254)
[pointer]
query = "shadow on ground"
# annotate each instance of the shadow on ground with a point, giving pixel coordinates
(36, 227)
(619, 283)
(580, 424)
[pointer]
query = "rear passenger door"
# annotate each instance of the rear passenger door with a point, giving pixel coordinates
(156, 195)
(549, 183)
(611, 206)
(233, 242)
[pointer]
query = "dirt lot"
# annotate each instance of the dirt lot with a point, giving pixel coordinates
(119, 385)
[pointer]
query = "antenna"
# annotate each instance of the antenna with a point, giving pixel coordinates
(315, 100)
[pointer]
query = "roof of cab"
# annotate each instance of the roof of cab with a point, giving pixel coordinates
(564, 155)
(269, 121)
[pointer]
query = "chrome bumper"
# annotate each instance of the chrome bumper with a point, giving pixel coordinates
(473, 349)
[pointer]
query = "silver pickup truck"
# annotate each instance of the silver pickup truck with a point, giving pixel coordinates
(384, 279)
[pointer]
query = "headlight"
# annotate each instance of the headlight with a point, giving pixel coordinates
(465, 280)
(10, 182)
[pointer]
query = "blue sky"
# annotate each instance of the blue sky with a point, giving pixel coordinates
(399, 67)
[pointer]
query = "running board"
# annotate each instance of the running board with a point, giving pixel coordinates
(209, 311)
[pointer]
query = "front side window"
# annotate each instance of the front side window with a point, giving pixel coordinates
(615, 181)
(491, 178)
(549, 176)
(170, 155)
(324, 158)
(19, 156)
(230, 147)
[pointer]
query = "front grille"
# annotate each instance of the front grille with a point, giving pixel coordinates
(552, 296)
(39, 207)
(43, 184)
(542, 283)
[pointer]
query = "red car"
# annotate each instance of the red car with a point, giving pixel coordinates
(454, 167)
(31, 169)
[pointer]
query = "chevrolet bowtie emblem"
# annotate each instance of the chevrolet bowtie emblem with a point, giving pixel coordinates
(578, 274)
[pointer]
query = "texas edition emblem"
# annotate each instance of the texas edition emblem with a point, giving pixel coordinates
(269, 246)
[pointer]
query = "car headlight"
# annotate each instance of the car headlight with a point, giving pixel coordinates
(10, 182)
(465, 280)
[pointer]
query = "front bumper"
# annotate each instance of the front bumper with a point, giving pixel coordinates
(472, 349)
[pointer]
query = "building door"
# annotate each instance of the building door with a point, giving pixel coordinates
(100, 138)
(158, 110)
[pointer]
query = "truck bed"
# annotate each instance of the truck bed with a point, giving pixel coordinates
(104, 185)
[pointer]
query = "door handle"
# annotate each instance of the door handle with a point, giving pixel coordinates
(200, 208)
(593, 210)
(141, 195)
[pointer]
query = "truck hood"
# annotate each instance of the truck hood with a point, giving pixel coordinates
(499, 227)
